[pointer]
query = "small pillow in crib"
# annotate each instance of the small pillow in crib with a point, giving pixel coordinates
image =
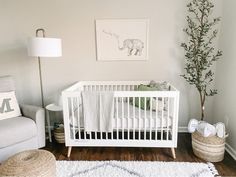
(142, 100)
(9, 107)
(159, 105)
(160, 86)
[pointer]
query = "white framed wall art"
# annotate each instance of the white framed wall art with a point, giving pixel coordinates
(122, 39)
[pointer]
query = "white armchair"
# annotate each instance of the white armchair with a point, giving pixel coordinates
(21, 133)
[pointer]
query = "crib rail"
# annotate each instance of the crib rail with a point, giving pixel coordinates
(141, 118)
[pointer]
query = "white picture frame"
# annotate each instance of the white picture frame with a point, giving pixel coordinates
(122, 39)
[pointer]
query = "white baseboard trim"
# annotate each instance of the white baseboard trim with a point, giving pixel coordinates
(230, 150)
(183, 129)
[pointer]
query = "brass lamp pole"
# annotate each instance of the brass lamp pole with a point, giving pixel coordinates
(40, 72)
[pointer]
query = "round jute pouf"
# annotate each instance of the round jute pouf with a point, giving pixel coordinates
(30, 163)
(211, 149)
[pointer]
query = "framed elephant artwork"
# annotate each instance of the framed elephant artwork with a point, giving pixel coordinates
(122, 39)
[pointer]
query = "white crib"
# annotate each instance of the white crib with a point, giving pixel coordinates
(133, 126)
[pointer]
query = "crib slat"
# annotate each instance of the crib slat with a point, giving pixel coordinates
(150, 118)
(73, 117)
(128, 116)
(106, 135)
(106, 88)
(110, 88)
(139, 117)
(85, 89)
(122, 104)
(95, 133)
(168, 115)
(100, 114)
(117, 114)
(90, 89)
(156, 118)
(113, 115)
(134, 118)
(145, 117)
(162, 114)
(78, 116)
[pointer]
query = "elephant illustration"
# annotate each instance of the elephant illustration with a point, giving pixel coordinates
(134, 46)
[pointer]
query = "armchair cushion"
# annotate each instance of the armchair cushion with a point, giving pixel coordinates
(16, 130)
(38, 115)
(8, 105)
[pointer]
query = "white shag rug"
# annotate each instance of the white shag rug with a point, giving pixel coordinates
(134, 169)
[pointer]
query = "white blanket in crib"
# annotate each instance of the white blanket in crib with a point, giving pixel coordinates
(98, 111)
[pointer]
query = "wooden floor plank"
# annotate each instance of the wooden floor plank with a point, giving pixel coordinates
(184, 153)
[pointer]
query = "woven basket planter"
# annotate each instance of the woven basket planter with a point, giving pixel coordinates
(59, 134)
(30, 163)
(211, 149)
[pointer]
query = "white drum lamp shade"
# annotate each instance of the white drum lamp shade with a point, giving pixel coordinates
(44, 47)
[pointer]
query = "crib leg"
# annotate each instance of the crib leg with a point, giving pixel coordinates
(173, 153)
(69, 151)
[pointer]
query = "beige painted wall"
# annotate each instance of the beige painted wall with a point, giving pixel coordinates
(73, 21)
(224, 103)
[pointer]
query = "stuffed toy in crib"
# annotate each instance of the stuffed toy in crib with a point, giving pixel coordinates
(206, 129)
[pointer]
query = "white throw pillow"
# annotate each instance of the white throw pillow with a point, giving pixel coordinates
(160, 105)
(8, 105)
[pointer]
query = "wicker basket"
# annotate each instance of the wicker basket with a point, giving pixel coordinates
(59, 134)
(211, 149)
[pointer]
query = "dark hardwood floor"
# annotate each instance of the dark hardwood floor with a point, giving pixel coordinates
(184, 153)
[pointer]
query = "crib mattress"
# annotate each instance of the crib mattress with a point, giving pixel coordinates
(132, 118)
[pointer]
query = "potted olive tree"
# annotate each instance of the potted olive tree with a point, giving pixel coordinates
(200, 55)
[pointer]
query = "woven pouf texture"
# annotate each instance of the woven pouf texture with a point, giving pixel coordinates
(211, 149)
(30, 163)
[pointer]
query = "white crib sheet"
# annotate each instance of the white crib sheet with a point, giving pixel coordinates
(123, 122)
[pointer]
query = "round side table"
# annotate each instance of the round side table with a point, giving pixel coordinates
(53, 108)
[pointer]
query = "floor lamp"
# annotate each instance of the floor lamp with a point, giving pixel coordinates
(43, 47)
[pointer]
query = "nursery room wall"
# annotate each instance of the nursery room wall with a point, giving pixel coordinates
(74, 22)
(224, 103)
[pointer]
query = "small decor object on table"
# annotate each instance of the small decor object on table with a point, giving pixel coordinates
(30, 163)
(53, 108)
(200, 53)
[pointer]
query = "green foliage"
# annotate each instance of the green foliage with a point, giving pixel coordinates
(200, 54)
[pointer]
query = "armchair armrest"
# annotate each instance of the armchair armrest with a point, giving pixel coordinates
(38, 115)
